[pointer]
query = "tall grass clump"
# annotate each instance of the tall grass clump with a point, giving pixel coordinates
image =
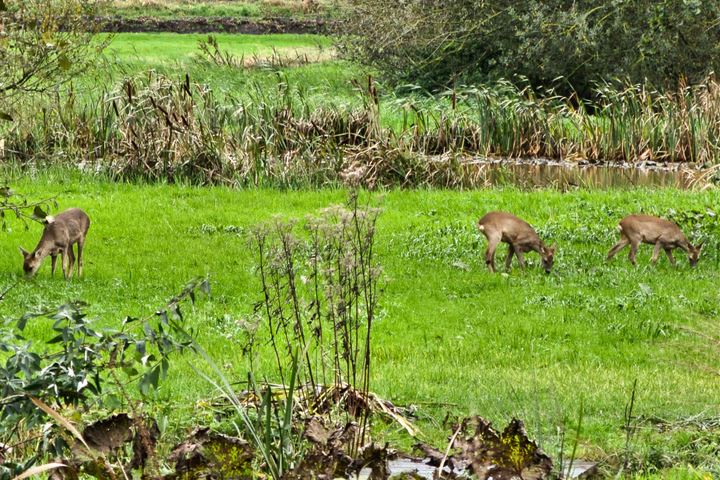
(156, 128)
(319, 292)
(320, 298)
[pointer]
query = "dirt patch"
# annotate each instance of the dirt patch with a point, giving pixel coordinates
(213, 25)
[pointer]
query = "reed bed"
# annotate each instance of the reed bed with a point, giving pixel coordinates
(156, 128)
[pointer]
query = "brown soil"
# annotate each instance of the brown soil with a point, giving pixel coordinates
(213, 25)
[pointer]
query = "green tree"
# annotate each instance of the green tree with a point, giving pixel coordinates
(566, 44)
(44, 43)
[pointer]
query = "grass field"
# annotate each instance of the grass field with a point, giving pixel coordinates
(451, 336)
(326, 80)
(164, 49)
(220, 8)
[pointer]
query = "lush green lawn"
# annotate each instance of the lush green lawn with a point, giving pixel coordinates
(451, 336)
(180, 9)
(174, 55)
(219, 8)
(175, 48)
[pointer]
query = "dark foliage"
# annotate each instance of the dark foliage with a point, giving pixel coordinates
(565, 44)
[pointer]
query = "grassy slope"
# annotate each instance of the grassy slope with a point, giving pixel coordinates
(175, 54)
(219, 8)
(157, 49)
(526, 344)
(167, 9)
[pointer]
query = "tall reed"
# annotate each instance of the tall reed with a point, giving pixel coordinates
(155, 128)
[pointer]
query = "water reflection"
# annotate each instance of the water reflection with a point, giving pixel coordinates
(563, 175)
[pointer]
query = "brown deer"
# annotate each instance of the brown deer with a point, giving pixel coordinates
(60, 234)
(518, 234)
(664, 234)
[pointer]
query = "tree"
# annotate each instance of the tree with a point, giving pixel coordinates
(44, 43)
(567, 44)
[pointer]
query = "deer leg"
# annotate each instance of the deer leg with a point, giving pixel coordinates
(53, 262)
(508, 259)
(656, 253)
(490, 252)
(79, 256)
(668, 252)
(71, 261)
(520, 257)
(633, 252)
(63, 261)
(618, 246)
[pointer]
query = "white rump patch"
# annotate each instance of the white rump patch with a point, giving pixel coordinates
(49, 219)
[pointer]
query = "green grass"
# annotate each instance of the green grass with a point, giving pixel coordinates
(179, 9)
(448, 337)
(184, 10)
(157, 49)
(130, 54)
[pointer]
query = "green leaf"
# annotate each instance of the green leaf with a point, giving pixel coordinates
(112, 402)
(39, 213)
(64, 63)
(150, 380)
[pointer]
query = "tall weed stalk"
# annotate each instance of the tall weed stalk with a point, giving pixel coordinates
(320, 293)
(155, 128)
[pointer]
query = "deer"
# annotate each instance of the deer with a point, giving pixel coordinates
(520, 237)
(59, 235)
(664, 234)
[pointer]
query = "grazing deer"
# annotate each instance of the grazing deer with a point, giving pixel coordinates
(60, 234)
(664, 234)
(518, 234)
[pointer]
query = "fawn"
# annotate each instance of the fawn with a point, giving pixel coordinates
(636, 229)
(61, 232)
(518, 234)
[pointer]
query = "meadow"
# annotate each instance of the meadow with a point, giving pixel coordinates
(168, 51)
(451, 338)
(222, 8)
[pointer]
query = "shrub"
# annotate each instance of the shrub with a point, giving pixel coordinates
(559, 43)
(44, 43)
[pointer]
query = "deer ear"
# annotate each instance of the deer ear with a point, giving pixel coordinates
(24, 252)
(700, 246)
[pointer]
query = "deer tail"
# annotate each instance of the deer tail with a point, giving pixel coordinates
(49, 219)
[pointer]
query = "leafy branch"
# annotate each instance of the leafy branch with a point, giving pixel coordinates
(81, 366)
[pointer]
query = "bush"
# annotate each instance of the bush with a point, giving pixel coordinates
(569, 45)
(44, 43)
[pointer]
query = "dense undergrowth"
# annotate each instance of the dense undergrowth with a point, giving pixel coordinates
(158, 127)
(569, 45)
